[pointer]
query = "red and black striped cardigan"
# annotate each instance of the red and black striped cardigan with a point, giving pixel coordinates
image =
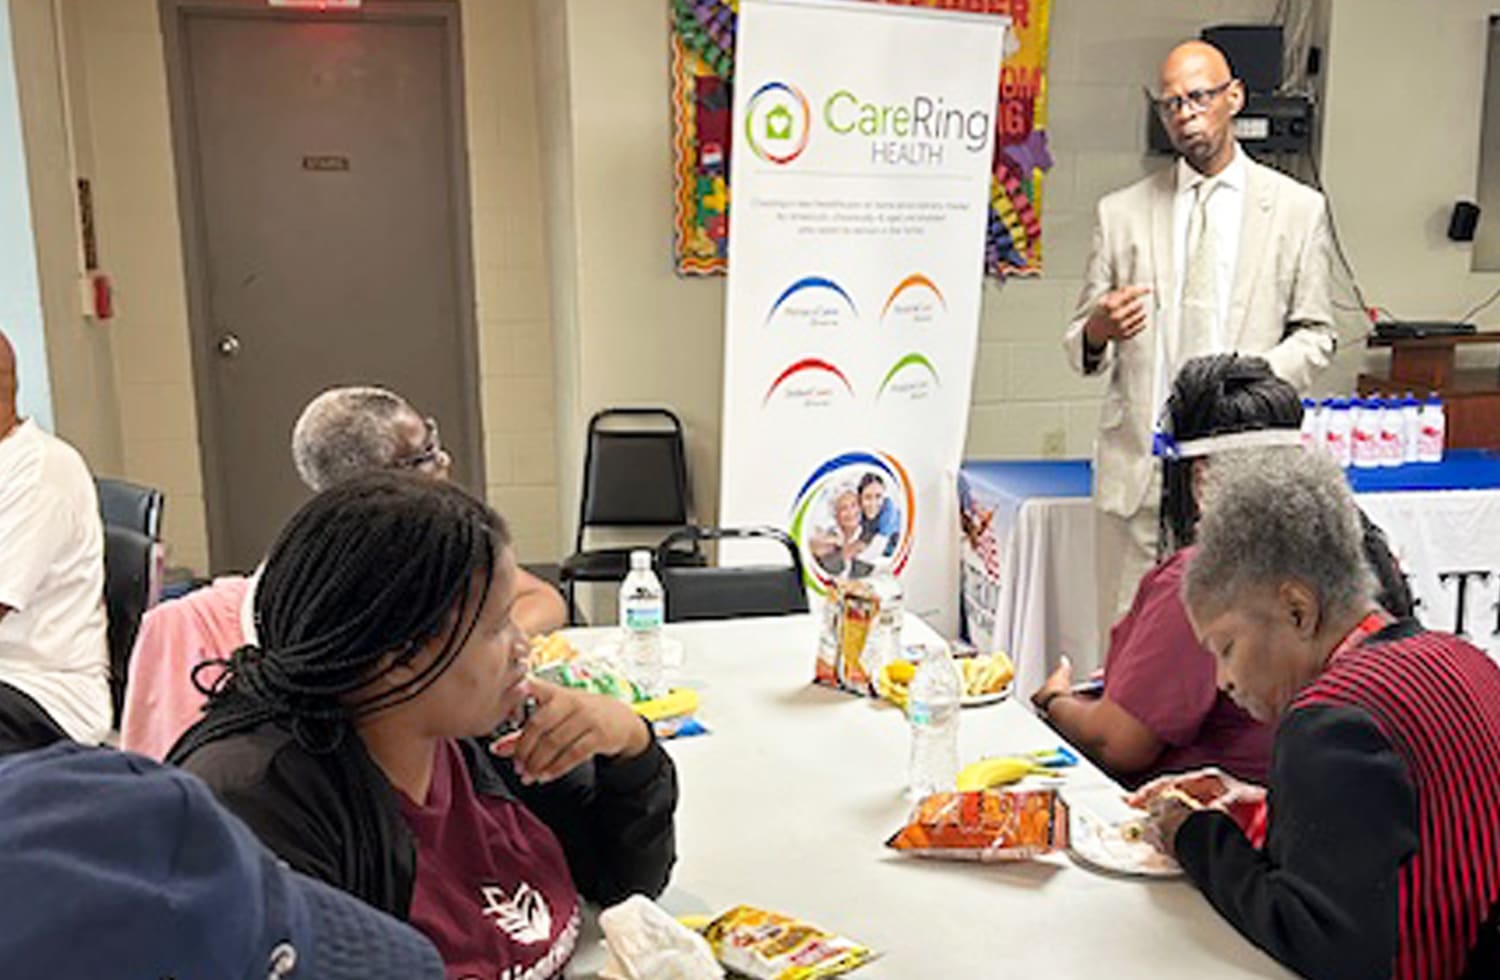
(1382, 856)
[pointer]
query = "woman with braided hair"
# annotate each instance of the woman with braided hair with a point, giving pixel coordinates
(1159, 710)
(354, 740)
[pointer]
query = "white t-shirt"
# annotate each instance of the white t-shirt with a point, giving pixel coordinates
(54, 642)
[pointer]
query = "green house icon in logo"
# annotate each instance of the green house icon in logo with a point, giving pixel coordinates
(779, 123)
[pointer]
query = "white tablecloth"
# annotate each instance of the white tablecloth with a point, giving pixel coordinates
(788, 802)
(1041, 603)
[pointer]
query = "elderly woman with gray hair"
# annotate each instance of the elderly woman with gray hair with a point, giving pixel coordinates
(1382, 854)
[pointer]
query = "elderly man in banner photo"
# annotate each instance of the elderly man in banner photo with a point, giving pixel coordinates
(1214, 253)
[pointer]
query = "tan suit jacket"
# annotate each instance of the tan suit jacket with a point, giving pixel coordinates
(1280, 307)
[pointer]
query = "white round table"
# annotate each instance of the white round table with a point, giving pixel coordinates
(788, 802)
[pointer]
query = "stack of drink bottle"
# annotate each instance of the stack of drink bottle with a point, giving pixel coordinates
(1368, 432)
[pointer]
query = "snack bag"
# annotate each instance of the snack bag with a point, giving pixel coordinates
(860, 609)
(985, 825)
(768, 946)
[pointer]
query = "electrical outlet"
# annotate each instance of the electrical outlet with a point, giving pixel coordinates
(1054, 443)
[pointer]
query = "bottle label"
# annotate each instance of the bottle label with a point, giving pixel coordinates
(645, 616)
(920, 713)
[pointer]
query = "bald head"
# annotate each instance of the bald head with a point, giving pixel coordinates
(1196, 58)
(1199, 98)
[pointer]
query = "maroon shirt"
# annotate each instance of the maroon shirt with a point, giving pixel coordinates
(492, 891)
(1157, 671)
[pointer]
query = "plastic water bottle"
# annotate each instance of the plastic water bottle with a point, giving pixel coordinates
(932, 708)
(1434, 431)
(1411, 427)
(884, 642)
(1390, 432)
(1310, 438)
(1365, 437)
(1339, 429)
(642, 610)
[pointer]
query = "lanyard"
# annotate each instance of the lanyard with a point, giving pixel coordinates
(1363, 630)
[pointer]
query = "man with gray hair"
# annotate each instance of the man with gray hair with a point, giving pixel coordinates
(1381, 854)
(345, 432)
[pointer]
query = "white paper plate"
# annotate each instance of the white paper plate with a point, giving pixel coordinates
(975, 700)
(1098, 843)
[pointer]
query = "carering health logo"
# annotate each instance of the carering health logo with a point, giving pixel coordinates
(777, 122)
(852, 517)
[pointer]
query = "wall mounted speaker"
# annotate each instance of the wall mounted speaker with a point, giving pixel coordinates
(1463, 222)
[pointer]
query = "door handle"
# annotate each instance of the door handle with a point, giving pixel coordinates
(229, 345)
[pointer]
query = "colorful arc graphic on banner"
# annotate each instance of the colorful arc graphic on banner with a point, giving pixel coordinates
(813, 490)
(781, 125)
(914, 359)
(803, 366)
(914, 281)
(811, 282)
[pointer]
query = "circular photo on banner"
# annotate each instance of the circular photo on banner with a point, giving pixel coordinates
(853, 516)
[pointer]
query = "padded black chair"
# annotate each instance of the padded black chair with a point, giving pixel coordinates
(634, 476)
(730, 591)
(123, 504)
(128, 557)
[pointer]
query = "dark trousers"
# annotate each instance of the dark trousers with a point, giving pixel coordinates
(24, 724)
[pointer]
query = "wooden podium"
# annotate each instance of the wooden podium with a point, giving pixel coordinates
(1471, 397)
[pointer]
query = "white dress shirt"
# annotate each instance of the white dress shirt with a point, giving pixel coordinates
(1226, 210)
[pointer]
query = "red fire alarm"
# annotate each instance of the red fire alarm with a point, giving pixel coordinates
(97, 296)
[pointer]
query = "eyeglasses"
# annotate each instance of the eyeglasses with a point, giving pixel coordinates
(432, 453)
(1198, 100)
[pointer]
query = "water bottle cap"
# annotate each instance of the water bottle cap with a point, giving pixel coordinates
(640, 560)
(1340, 403)
(1326, 403)
(1433, 399)
(1309, 403)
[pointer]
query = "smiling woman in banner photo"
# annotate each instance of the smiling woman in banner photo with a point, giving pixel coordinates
(859, 526)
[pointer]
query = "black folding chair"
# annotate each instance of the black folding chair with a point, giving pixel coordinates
(730, 591)
(128, 559)
(130, 505)
(634, 476)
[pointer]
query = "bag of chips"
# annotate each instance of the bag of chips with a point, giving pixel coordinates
(769, 946)
(985, 825)
(849, 615)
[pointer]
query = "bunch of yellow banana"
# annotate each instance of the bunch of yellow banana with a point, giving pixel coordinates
(1000, 771)
(986, 674)
(550, 649)
(892, 681)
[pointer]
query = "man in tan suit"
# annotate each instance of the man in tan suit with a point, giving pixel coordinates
(1215, 253)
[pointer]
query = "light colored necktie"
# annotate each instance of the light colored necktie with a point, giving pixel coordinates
(1198, 328)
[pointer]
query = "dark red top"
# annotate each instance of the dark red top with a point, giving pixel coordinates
(1157, 671)
(492, 890)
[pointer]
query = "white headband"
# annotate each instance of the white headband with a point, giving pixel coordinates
(1254, 439)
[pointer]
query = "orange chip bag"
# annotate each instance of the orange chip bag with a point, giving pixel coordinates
(985, 825)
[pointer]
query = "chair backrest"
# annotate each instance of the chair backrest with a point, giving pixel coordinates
(731, 591)
(634, 471)
(130, 505)
(128, 557)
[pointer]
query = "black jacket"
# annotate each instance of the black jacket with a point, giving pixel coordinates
(334, 815)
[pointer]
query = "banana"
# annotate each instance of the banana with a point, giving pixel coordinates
(987, 675)
(901, 671)
(1000, 771)
(678, 701)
